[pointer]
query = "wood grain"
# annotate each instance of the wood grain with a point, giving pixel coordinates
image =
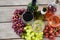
(23, 2)
(6, 31)
(6, 13)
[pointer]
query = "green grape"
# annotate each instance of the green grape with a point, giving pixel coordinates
(27, 38)
(28, 34)
(28, 27)
(32, 35)
(23, 36)
(28, 31)
(36, 39)
(40, 36)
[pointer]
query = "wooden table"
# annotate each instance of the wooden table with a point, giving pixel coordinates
(7, 7)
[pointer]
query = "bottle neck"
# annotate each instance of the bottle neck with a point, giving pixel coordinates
(33, 2)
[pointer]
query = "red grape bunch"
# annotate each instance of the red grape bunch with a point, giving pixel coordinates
(51, 32)
(18, 24)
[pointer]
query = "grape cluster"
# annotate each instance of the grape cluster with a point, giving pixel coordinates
(20, 11)
(51, 32)
(52, 8)
(18, 24)
(31, 35)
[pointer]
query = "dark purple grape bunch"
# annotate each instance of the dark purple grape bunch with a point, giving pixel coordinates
(18, 24)
(20, 11)
(52, 8)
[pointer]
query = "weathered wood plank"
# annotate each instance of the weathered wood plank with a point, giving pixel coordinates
(23, 2)
(6, 31)
(14, 2)
(12, 39)
(57, 38)
(6, 13)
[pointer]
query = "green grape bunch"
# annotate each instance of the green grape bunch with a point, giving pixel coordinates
(31, 34)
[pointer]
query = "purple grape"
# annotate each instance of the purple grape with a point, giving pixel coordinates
(52, 8)
(16, 12)
(21, 11)
(20, 31)
(18, 24)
